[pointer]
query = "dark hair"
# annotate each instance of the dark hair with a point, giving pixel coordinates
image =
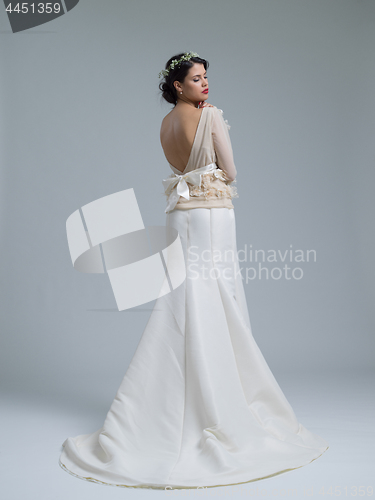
(179, 73)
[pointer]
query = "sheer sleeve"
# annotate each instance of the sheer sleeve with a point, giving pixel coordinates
(223, 145)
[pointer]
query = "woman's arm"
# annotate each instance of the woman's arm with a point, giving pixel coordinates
(223, 145)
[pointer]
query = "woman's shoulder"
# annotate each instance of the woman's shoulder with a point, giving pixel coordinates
(218, 118)
(216, 112)
(180, 116)
(167, 121)
(167, 117)
(180, 113)
(212, 107)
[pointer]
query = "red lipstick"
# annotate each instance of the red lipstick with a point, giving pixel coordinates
(205, 91)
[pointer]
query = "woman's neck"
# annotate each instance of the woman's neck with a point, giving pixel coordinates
(181, 102)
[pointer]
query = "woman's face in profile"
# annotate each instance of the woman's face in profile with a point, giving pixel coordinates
(195, 83)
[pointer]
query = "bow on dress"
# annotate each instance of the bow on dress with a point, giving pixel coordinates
(176, 185)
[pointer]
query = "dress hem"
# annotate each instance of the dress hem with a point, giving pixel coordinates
(172, 486)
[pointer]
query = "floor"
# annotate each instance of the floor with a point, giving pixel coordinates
(338, 406)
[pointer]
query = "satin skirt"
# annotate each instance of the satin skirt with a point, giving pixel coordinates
(198, 405)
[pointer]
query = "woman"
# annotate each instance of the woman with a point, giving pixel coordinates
(198, 405)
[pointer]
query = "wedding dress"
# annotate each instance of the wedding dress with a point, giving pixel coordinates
(198, 405)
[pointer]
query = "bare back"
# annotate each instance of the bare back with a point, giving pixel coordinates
(177, 134)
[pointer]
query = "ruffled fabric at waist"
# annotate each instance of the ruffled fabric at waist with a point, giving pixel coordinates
(214, 185)
(202, 202)
(205, 187)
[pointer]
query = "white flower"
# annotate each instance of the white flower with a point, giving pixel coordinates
(186, 57)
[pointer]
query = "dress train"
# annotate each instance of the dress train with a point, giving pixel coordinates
(198, 405)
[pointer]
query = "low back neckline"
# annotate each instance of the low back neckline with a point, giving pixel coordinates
(192, 147)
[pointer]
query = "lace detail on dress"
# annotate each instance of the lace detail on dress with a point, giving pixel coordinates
(214, 185)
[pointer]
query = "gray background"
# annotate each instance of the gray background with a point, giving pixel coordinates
(80, 119)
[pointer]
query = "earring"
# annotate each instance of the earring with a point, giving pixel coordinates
(180, 92)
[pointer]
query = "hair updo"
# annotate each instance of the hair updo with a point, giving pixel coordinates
(179, 73)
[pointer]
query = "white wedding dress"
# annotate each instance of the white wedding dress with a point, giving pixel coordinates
(198, 405)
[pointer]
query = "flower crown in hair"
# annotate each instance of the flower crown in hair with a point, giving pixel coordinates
(175, 62)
